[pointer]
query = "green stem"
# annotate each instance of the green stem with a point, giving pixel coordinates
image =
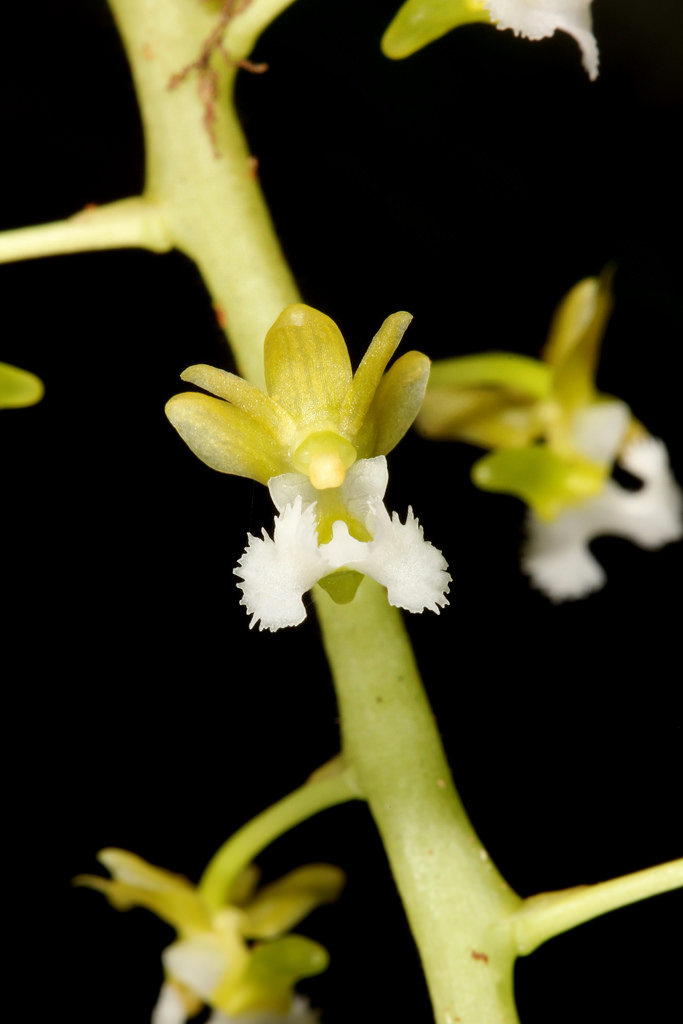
(551, 913)
(127, 223)
(204, 176)
(320, 792)
(453, 895)
(243, 31)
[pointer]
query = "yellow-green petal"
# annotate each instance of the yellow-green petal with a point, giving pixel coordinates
(481, 416)
(505, 371)
(491, 399)
(420, 22)
(226, 437)
(246, 396)
(307, 366)
(134, 883)
(369, 374)
(18, 387)
(270, 976)
(396, 403)
(547, 483)
(281, 905)
(573, 345)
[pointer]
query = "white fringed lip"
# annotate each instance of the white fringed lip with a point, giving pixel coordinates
(556, 555)
(276, 572)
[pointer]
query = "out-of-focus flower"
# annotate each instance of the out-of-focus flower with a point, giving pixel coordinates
(236, 959)
(556, 554)
(18, 388)
(555, 442)
(318, 439)
(419, 22)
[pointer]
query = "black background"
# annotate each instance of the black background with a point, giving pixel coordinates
(472, 185)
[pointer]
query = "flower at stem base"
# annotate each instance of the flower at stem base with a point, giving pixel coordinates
(419, 22)
(237, 959)
(318, 438)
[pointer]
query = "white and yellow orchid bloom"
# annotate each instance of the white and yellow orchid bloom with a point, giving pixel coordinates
(318, 438)
(555, 442)
(419, 22)
(237, 959)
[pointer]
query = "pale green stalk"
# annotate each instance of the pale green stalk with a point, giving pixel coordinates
(550, 913)
(244, 31)
(124, 224)
(205, 181)
(243, 847)
(453, 895)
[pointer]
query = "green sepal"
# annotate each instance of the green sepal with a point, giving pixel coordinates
(135, 883)
(278, 907)
(546, 482)
(19, 388)
(490, 399)
(342, 585)
(367, 377)
(307, 366)
(244, 395)
(573, 346)
(273, 970)
(395, 405)
(502, 370)
(420, 22)
(226, 437)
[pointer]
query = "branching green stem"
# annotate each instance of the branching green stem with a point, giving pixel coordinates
(127, 223)
(202, 196)
(200, 171)
(244, 30)
(550, 913)
(314, 796)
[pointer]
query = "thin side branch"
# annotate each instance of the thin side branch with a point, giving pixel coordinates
(551, 913)
(331, 785)
(128, 223)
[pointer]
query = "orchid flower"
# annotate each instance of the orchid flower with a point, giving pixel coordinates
(555, 442)
(318, 439)
(419, 22)
(237, 959)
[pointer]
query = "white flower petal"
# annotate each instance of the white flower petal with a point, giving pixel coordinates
(286, 488)
(537, 19)
(413, 570)
(366, 479)
(655, 511)
(277, 573)
(198, 962)
(556, 556)
(598, 430)
(169, 1008)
